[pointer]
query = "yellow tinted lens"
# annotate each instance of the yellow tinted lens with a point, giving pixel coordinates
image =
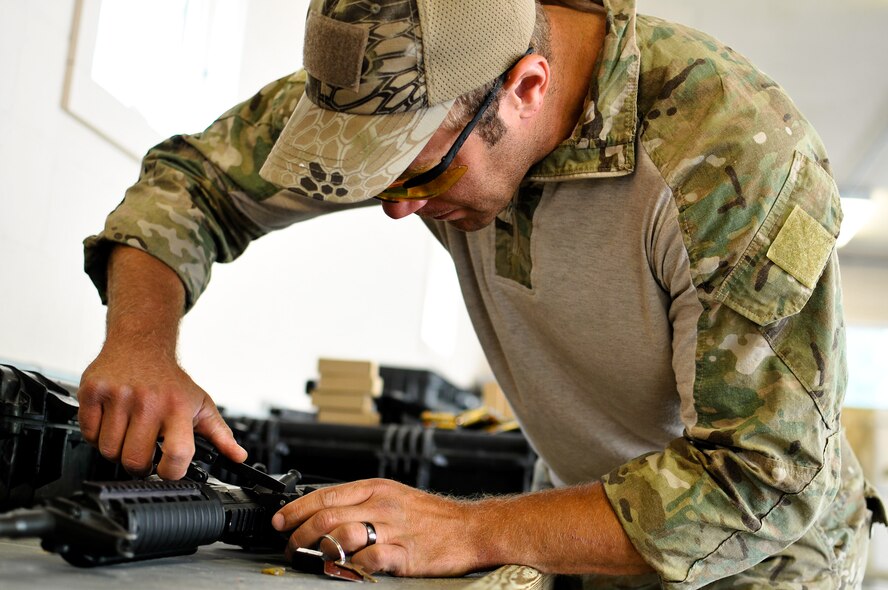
(431, 189)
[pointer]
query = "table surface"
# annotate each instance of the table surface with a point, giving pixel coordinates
(24, 565)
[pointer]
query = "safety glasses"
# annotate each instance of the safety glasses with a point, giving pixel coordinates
(428, 184)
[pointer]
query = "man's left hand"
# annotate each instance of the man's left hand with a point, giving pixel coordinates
(418, 533)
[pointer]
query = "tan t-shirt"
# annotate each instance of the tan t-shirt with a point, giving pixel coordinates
(593, 353)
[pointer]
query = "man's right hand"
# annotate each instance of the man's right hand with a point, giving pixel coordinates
(135, 391)
(128, 400)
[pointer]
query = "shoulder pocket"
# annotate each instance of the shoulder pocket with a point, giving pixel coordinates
(780, 268)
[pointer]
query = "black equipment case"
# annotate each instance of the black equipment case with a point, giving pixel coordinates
(43, 454)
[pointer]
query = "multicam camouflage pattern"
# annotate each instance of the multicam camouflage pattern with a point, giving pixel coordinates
(762, 489)
(604, 141)
(200, 199)
(514, 226)
(761, 463)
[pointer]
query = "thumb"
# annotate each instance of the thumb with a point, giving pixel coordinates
(214, 429)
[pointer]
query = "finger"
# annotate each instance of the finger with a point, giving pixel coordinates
(338, 522)
(178, 447)
(213, 428)
(352, 536)
(298, 511)
(384, 558)
(89, 415)
(112, 432)
(139, 446)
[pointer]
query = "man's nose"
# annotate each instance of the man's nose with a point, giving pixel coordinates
(403, 208)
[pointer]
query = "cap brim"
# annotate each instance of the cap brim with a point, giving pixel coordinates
(346, 158)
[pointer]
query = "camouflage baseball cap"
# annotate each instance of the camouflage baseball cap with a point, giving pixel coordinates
(381, 78)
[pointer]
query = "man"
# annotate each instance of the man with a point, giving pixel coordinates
(643, 226)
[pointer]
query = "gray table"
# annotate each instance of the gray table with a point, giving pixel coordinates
(25, 566)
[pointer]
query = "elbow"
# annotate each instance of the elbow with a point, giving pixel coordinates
(803, 495)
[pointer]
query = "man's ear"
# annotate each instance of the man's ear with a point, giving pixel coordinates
(527, 85)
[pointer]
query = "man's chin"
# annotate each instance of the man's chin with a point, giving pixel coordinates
(461, 219)
(469, 224)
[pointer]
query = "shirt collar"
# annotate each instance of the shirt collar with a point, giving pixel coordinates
(603, 142)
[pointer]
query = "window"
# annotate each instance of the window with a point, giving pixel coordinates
(867, 379)
(142, 70)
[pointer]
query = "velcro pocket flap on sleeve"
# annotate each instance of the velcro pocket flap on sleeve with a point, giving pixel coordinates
(785, 258)
(802, 247)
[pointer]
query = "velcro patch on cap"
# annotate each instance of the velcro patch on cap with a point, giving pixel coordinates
(334, 51)
(802, 247)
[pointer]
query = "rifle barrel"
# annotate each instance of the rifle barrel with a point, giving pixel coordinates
(26, 523)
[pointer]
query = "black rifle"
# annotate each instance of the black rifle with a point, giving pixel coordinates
(119, 521)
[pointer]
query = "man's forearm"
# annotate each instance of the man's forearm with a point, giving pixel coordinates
(146, 300)
(135, 392)
(570, 530)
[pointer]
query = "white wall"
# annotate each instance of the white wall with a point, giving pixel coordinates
(350, 285)
(865, 283)
(58, 179)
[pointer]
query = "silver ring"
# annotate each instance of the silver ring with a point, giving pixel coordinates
(338, 546)
(371, 533)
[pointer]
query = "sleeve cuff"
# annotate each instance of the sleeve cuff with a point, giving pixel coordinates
(97, 250)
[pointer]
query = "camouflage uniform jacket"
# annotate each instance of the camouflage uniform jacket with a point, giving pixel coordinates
(757, 460)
